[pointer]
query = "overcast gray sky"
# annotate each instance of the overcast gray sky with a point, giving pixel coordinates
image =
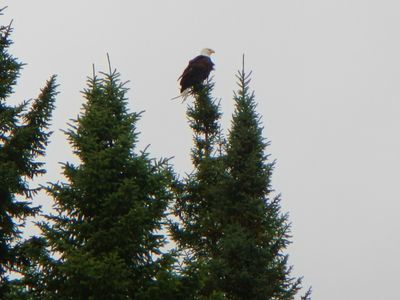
(326, 76)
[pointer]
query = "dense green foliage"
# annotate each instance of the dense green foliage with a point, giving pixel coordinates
(23, 137)
(105, 235)
(251, 263)
(198, 197)
(230, 232)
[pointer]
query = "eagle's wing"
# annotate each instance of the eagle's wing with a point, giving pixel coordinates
(198, 63)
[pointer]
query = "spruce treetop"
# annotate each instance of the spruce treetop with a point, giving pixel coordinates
(109, 212)
(252, 263)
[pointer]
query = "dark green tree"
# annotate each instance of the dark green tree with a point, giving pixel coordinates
(104, 242)
(198, 197)
(231, 233)
(251, 263)
(24, 136)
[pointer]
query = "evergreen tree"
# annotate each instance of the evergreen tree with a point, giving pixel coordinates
(105, 235)
(231, 230)
(251, 263)
(198, 197)
(23, 138)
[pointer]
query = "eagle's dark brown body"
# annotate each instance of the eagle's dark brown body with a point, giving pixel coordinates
(196, 72)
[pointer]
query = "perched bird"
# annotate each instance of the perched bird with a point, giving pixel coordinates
(198, 70)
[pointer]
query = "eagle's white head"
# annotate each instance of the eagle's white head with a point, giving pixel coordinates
(207, 52)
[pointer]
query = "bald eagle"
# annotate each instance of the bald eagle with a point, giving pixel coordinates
(198, 70)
